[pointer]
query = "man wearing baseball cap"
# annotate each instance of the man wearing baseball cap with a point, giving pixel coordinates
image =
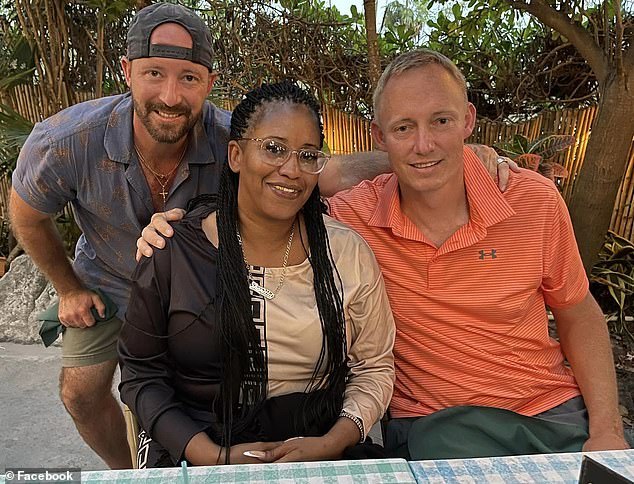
(117, 160)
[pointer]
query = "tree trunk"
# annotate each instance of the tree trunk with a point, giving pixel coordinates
(100, 53)
(374, 61)
(598, 182)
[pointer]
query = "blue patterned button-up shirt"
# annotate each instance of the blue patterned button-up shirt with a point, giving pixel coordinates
(85, 156)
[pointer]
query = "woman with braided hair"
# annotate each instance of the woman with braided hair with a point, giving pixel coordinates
(263, 332)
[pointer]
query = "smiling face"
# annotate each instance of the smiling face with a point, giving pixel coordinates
(168, 94)
(422, 121)
(275, 192)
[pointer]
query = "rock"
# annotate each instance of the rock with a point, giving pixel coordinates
(23, 294)
(46, 299)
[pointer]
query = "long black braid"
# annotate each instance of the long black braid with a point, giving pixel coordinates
(245, 372)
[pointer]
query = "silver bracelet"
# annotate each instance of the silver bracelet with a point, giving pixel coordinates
(358, 422)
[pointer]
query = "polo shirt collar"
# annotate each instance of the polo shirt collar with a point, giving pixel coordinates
(487, 205)
(388, 208)
(119, 142)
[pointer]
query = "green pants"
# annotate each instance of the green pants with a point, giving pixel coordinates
(468, 432)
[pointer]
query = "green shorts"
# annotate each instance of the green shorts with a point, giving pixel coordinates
(91, 346)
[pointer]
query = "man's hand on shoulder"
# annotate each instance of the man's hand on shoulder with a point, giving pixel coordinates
(74, 308)
(154, 234)
(497, 166)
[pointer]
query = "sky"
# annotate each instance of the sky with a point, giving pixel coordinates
(344, 6)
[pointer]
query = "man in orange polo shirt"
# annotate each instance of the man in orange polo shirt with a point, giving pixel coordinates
(469, 271)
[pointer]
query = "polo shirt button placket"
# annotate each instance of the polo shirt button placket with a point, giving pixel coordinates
(431, 264)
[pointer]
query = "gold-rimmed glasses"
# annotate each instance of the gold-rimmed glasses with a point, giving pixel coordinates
(277, 153)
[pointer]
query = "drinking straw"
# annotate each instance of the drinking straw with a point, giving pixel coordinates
(184, 469)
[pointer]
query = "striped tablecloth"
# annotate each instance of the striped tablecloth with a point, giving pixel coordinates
(370, 471)
(543, 468)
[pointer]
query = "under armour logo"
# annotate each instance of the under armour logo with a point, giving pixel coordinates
(484, 254)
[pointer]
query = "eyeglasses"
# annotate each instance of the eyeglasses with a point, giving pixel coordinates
(277, 153)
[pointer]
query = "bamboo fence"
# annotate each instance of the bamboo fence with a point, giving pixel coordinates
(577, 123)
(345, 134)
(26, 100)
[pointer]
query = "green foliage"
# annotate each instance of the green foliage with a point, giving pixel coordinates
(257, 42)
(89, 19)
(402, 26)
(14, 130)
(5, 238)
(17, 63)
(69, 231)
(534, 155)
(319, 11)
(111, 10)
(612, 281)
(397, 38)
(547, 146)
(513, 64)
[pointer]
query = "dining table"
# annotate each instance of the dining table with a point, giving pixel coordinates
(538, 468)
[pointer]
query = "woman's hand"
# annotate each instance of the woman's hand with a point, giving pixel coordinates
(343, 434)
(202, 451)
(237, 453)
(300, 449)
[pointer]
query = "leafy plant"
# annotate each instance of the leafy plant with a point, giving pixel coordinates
(68, 229)
(17, 63)
(14, 130)
(612, 280)
(402, 26)
(534, 155)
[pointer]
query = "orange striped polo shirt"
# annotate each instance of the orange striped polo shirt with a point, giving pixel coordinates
(470, 315)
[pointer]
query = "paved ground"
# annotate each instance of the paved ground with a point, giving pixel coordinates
(35, 430)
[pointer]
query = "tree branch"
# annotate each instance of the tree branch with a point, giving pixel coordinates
(628, 61)
(618, 46)
(577, 35)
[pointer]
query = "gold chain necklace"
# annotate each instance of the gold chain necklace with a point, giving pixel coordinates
(161, 178)
(254, 286)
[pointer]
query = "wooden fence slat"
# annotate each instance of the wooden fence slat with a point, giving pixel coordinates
(628, 217)
(623, 202)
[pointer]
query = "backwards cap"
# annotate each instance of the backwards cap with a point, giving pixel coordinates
(144, 23)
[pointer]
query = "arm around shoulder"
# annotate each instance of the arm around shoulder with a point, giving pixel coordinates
(345, 171)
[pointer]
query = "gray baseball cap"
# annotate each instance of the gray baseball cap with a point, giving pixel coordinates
(144, 23)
